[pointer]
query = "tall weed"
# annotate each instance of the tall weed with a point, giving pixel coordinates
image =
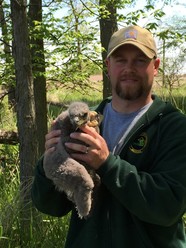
(176, 96)
(44, 231)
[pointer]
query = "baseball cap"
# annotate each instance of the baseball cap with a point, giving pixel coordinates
(134, 35)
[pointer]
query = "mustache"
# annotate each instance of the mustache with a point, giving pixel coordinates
(129, 76)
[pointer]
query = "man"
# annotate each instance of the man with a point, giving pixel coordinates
(140, 157)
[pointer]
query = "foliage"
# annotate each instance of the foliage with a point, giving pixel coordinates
(73, 47)
(72, 39)
(171, 74)
(7, 77)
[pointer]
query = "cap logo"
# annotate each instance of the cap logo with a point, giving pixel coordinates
(131, 34)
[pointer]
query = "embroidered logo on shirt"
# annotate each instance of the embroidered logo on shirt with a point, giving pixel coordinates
(139, 144)
(131, 34)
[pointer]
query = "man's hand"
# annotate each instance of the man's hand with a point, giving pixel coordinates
(94, 153)
(52, 138)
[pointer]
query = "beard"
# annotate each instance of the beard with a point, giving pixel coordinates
(132, 92)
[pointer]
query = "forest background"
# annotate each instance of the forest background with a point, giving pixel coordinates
(49, 52)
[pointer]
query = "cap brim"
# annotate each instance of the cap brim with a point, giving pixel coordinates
(149, 53)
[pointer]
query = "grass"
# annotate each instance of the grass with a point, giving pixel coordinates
(91, 95)
(44, 231)
(177, 97)
(175, 94)
(64, 97)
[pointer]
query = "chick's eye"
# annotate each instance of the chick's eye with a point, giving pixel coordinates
(84, 116)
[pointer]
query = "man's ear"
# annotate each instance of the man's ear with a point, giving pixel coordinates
(156, 66)
(106, 61)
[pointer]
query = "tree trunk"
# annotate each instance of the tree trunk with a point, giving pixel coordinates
(108, 25)
(38, 62)
(25, 111)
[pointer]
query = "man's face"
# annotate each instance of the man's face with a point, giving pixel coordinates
(131, 73)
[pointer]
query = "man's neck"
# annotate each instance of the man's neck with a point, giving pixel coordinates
(129, 106)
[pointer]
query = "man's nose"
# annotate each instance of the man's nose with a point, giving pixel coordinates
(129, 65)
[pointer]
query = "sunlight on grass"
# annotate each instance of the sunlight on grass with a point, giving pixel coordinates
(92, 96)
(177, 96)
(59, 99)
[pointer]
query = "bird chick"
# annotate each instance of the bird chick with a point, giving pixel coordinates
(80, 115)
(77, 180)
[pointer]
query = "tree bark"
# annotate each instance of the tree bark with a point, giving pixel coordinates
(25, 111)
(24, 89)
(108, 25)
(38, 62)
